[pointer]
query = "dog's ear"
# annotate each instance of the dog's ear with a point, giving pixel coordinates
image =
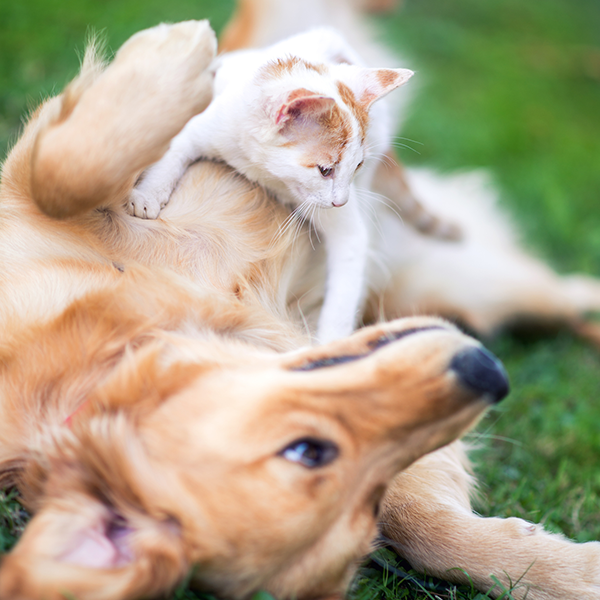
(76, 546)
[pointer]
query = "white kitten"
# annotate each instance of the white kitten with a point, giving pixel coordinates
(297, 118)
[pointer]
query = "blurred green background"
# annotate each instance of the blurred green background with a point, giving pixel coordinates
(508, 85)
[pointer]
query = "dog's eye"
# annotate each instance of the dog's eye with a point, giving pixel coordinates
(325, 171)
(310, 452)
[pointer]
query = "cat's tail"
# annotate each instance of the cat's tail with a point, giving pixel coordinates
(390, 181)
(103, 131)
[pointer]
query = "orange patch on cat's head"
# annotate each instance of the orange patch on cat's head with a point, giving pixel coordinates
(276, 69)
(358, 109)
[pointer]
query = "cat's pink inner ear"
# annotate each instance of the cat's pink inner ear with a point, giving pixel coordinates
(306, 106)
(376, 83)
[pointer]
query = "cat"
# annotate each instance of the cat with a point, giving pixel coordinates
(302, 119)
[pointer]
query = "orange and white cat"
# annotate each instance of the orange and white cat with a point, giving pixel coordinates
(301, 119)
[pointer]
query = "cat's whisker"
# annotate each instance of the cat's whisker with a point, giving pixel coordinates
(373, 146)
(301, 216)
(300, 229)
(381, 199)
(393, 141)
(314, 211)
(310, 226)
(281, 230)
(372, 214)
(380, 155)
(317, 214)
(287, 224)
(405, 146)
(382, 158)
(399, 137)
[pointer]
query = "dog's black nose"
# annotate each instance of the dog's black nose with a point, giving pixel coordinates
(479, 370)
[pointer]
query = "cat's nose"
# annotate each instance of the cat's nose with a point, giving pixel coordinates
(337, 202)
(479, 370)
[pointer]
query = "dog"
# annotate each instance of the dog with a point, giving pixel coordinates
(158, 409)
(161, 406)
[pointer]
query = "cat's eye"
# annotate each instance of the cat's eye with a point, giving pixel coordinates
(325, 171)
(311, 453)
(360, 164)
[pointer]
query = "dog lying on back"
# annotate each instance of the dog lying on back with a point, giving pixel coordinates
(158, 409)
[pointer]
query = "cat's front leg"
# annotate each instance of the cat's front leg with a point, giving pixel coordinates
(346, 241)
(151, 194)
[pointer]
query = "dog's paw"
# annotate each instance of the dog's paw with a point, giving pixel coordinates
(173, 67)
(182, 41)
(144, 205)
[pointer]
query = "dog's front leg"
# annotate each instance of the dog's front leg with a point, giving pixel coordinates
(428, 519)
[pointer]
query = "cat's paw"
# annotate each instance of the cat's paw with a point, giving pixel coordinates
(144, 205)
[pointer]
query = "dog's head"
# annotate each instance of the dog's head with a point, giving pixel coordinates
(255, 469)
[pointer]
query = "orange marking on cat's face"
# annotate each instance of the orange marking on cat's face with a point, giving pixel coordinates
(327, 146)
(359, 109)
(324, 134)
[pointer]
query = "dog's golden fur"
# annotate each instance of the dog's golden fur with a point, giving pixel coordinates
(145, 395)
(151, 377)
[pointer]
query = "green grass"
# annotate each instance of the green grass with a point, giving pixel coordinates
(511, 86)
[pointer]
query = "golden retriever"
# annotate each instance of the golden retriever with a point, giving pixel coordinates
(160, 407)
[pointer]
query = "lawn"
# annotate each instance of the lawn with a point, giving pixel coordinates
(510, 86)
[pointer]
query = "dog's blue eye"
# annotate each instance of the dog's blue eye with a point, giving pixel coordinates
(310, 452)
(325, 171)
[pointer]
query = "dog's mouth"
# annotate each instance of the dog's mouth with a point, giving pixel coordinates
(373, 345)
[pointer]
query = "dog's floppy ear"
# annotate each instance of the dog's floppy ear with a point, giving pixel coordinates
(78, 547)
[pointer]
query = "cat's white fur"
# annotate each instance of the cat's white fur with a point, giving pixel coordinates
(257, 126)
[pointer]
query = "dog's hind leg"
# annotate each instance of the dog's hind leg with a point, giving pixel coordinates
(427, 517)
(111, 124)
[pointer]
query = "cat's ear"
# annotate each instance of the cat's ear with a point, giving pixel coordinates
(303, 104)
(370, 85)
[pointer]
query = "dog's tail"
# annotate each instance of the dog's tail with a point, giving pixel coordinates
(111, 123)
